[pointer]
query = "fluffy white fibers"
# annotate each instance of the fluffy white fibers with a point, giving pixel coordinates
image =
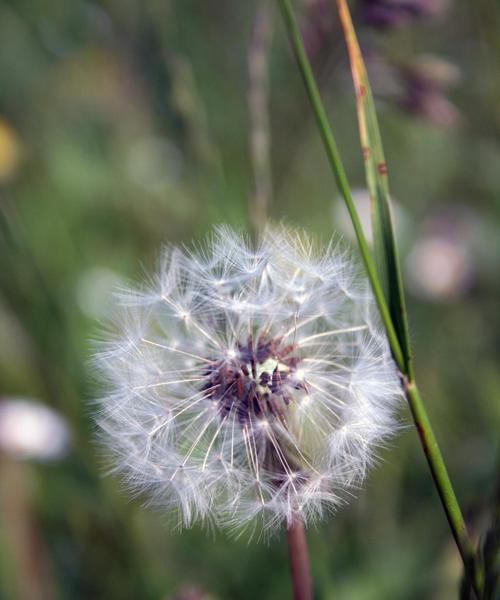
(247, 385)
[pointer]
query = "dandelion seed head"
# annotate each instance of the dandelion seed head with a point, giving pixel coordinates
(247, 385)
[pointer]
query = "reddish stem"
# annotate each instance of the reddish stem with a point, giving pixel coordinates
(299, 560)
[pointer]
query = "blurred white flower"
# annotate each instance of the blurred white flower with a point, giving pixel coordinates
(439, 268)
(447, 253)
(31, 430)
(247, 383)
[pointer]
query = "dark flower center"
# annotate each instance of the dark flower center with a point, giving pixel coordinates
(257, 383)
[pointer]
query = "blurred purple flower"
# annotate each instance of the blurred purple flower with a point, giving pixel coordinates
(394, 13)
(418, 87)
(425, 82)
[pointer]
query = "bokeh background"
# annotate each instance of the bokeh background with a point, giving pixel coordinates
(125, 124)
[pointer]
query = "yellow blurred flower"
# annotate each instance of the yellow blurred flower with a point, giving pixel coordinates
(10, 150)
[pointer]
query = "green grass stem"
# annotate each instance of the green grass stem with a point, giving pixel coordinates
(419, 413)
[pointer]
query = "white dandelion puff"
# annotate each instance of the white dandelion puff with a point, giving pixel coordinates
(247, 385)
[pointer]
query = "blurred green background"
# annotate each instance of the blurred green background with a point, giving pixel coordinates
(125, 124)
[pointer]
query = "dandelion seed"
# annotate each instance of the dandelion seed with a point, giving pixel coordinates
(247, 384)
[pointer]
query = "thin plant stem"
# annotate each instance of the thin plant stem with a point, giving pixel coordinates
(299, 560)
(258, 101)
(427, 438)
(31, 578)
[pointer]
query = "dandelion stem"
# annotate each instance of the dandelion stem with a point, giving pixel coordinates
(299, 560)
(419, 413)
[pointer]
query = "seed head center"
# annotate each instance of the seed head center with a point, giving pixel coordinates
(255, 382)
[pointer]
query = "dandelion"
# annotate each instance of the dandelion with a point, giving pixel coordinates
(247, 385)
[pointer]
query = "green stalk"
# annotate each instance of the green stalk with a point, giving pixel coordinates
(419, 413)
(444, 487)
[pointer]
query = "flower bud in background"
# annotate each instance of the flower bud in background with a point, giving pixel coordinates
(247, 382)
(30, 430)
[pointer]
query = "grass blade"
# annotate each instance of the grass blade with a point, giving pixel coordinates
(386, 254)
(339, 173)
